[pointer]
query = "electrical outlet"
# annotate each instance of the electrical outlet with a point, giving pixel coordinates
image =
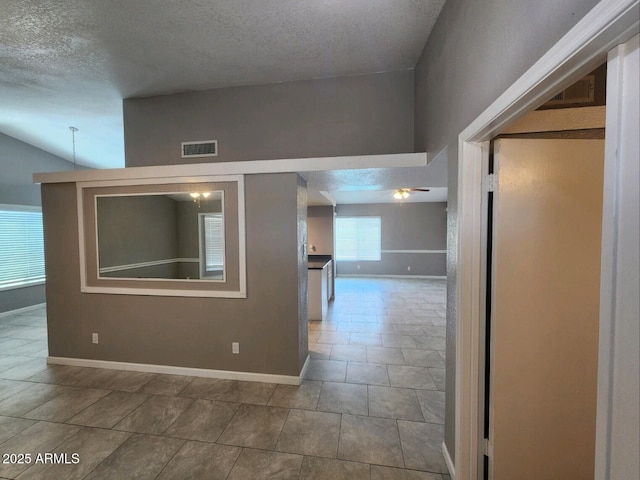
(235, 347)
(408, 269)
(358, 267)
(94, 337)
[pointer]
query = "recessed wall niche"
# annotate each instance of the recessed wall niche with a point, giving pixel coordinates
(172, 237)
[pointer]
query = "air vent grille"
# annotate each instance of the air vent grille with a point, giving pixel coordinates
(207, 148)
(580, 92)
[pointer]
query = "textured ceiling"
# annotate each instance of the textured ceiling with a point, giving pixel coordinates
(71, 62)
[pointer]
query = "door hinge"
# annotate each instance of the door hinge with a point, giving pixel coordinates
(492, 182)
(487, 448)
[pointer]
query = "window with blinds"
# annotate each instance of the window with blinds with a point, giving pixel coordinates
(358, 239)
(21, 247)
(212, 252)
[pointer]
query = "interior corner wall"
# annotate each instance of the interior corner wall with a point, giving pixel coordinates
(474, 53)
(406, 229)
(303, 272)
(185, 331)
(18, 162)
(356, 115)
(320, 229)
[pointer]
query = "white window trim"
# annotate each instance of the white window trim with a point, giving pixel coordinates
(359, 217)
(22, 283)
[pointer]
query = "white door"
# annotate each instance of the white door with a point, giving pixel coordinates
(547, 228)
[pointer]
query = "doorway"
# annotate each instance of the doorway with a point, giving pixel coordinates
(579, 52)
(543, 264)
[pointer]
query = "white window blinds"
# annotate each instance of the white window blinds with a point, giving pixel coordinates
(21, 248)
(213, 241)
(358, 238)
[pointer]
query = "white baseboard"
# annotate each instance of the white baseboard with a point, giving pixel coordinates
(448, 461)
(172, 370)
(305, 366)
(22, 310)
(355, 275)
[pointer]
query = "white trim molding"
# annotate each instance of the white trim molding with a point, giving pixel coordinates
(164, 286)
(249, 167)
(152, 263)
(355, 275)
(582, 49)
(173, 370)
(413, 251)
(448, 461)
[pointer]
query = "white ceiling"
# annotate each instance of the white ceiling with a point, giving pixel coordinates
(71, 62)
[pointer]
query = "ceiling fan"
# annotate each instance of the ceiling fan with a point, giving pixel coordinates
(403, 193)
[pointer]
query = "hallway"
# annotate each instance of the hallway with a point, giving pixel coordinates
(371, 406)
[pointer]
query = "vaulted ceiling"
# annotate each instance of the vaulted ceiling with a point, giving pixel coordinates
(71, 62)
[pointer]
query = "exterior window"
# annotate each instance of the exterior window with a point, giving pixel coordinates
(358, 239)
(212, 258)
(21, 246)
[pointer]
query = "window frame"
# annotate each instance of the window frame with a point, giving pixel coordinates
(358, 258)
(31, 281)
(202, 237)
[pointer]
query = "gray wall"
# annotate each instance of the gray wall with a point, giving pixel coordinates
(368, 114)
(136, 229)
(474, 53)
(18, 162)
(320, 229)
(405, 226)
(188, 331)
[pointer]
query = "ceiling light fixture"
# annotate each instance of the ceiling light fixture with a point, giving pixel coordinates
(196, 196)
(73, 142)
(401, 194)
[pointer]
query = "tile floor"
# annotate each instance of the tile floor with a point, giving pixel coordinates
(371, 406)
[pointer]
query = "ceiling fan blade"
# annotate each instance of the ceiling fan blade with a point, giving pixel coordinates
(420, 189)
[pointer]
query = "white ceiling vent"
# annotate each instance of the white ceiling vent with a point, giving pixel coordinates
(206, 148)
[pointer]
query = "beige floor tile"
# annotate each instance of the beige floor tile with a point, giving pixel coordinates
(370, 440)
(64, 406)
(155, 415)
(411, 377)
(204, 420)
(209, 388)
(249, 392)
(303, 396)
(255, 426)
(367, 373)
(141, 457)
(170, 385)
(310, 433)
(354, 353)
(314, 468)
(343, 398)
(109, 410)
(326, 370)
(422, 446)
(201, 460)
(38, 438)
(262, 465)
(392, 402)
(432, 404)
(92, 446)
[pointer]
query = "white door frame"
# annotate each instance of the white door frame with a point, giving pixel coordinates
(583, 48)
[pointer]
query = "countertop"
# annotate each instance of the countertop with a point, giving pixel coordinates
(318, 262)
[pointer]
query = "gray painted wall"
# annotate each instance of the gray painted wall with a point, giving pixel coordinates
(18, 162)
(188, 331)
(474, 53)
(359, 115)
(405, 226)
(320, 230)
(136, 229)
